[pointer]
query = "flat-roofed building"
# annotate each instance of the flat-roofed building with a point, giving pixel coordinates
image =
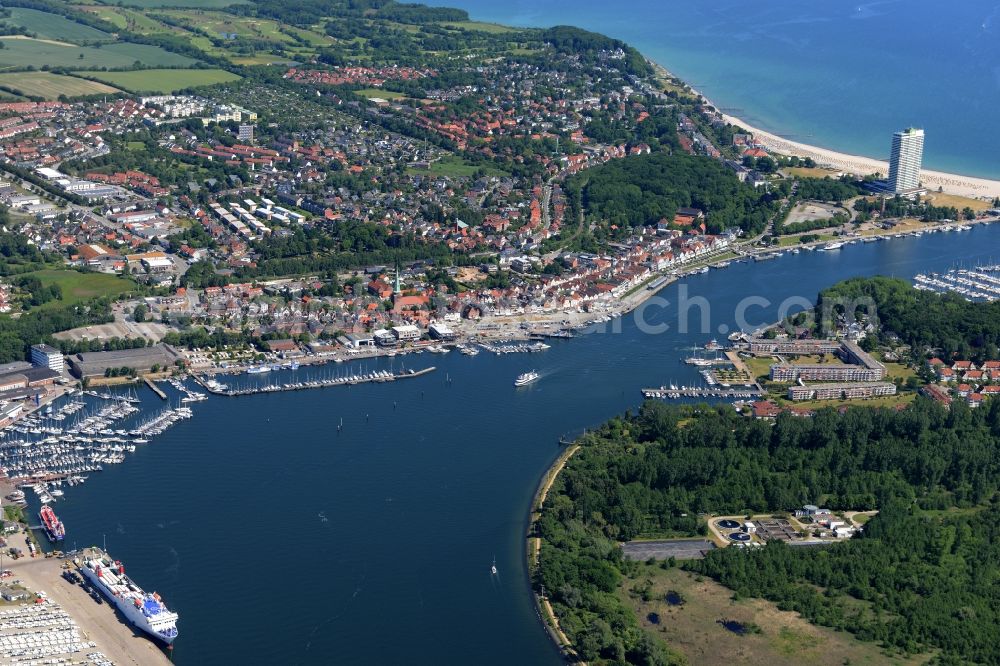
(142, 360)
(46, 356)
(824, 372)
(406, 333)
(841, 391)
(441, 331)
(793, 347)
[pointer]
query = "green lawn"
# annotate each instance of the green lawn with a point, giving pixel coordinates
(36, 53)
(377, 92)
(691, 628)
(894, 370)
(790, 241)
(810, 172)
(163, 80)
(453, 166)
(50, 86)
(53, 26)
(77, 286)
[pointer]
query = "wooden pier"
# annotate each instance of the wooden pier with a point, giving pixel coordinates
(154, 388)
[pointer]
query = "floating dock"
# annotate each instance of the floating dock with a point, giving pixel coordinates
(701, 361)
(154, 388)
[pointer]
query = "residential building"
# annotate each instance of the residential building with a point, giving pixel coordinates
(840, 391)
(905, 160)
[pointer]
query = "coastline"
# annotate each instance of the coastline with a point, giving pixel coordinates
(859, 165)
(533, 544)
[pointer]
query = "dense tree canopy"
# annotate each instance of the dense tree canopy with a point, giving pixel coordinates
(945, 323)
(644, 189)
(650, 475)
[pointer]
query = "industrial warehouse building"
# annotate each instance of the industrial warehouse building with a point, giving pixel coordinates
(94, 364)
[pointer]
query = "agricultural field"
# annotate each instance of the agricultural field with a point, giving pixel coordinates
(494, 28)
(217, 23)
(127, 19)
(77, 286)
(250, 61)
(51, 86)
(53, 26)
(114, 16)
(163, 80)
(311, 37)
(200, 4)
(20, 52)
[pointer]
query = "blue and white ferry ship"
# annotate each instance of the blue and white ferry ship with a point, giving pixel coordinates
(144, 610)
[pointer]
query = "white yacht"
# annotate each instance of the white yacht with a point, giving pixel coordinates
(526, 378)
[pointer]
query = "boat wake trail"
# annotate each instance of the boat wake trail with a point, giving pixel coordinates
(340, 613)
(176, 566)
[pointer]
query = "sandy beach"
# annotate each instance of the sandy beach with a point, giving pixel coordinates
(967, 186)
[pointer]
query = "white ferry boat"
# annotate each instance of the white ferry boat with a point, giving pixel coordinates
(144, 610)
(833, 246)
(526, 378)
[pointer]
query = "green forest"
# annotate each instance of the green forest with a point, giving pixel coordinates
(924, 568)
(645, 189)
(943, 324)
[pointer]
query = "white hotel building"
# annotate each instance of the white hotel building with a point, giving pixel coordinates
(905, 160)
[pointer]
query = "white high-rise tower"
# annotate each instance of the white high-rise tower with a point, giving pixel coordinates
(904, 163)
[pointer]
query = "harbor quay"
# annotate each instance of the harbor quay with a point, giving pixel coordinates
(108, 639)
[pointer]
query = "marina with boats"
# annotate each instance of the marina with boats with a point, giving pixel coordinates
(337, 379)
(674, 392)
(980, 284)
(61, 445)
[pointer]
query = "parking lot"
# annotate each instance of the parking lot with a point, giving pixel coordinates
(681, 549)
(44, 631)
